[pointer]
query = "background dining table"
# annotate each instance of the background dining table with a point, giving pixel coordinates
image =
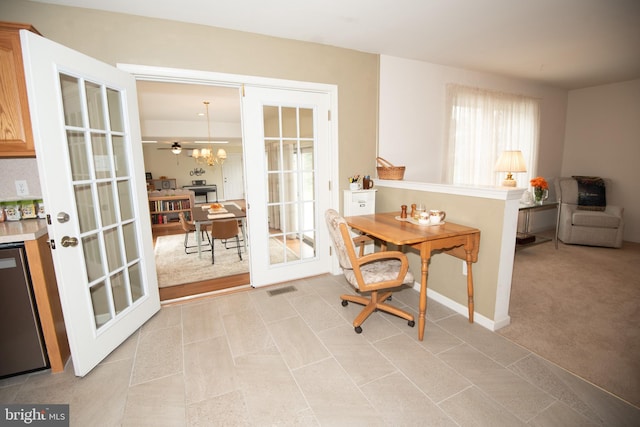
(200, 215)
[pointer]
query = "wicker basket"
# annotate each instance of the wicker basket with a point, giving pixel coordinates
(388, 171)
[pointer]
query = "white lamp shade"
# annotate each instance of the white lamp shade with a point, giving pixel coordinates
(511, 161)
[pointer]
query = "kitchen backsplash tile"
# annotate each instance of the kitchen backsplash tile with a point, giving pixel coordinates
(12, 170)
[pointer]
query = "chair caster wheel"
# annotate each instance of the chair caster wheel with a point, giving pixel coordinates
(358, 329)
(345, 303)
(412, 323)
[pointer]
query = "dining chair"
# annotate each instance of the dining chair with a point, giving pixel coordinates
(224, 230)
(190, 227)
(376, 273)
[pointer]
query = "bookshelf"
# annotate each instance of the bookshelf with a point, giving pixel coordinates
(164, 209)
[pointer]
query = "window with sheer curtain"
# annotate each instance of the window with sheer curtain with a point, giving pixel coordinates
(481, 124)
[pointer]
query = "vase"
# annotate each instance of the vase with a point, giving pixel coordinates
(540, 195)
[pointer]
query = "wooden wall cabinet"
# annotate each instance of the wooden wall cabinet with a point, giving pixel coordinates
(164, 209)
(16, 135)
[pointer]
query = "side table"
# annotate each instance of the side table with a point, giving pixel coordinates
(524, 238)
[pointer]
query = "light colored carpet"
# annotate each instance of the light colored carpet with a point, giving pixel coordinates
(579, 307)
(174, 267)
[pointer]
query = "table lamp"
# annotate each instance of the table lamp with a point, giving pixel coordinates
(510, 161)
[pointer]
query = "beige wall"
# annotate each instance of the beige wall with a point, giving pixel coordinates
(165, 163)
(603, 139)
(118, 38)
(412, 115)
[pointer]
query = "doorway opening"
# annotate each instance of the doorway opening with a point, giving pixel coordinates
(174, 114)
(314, 102)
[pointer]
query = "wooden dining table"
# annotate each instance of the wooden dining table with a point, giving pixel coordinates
(201, 216)
(453, 239)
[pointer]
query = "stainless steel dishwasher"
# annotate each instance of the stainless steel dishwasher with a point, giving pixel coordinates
(22, 347)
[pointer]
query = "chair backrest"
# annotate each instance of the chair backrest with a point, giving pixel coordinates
(344, 246)
(185, 225)
(224, 229)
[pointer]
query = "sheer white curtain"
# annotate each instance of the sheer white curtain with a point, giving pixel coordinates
(481, 124)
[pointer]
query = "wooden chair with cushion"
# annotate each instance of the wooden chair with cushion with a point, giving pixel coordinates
(377, 273)
(224, 230)
(190, 227)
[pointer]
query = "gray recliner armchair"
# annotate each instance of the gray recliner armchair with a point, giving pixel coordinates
(581, 225)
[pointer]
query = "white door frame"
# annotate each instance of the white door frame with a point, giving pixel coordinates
(179, 75)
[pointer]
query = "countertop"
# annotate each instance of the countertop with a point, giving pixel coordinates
(19, 231)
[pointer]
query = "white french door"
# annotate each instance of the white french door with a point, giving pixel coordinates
(89, 155)
(286, 137)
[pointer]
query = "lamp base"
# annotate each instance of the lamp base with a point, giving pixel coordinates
(509, 183)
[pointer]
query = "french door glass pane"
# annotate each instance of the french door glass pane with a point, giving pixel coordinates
(289, 122)
(126, 205)
(115, 112)
(306, 122)
(107, 204)
(112, 246)
(308, 245)
(100, 155)
(95, 106)
(92, 257)
(271, 121)
(78, 153)
(290, 166)
(119, 292)
(100, 302)
(273, 157)
(85, 207)
(71, 101)
(130, 241)
(103, 194)
(119, 156)
(135, 282)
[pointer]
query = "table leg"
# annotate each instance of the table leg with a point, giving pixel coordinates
(198, 239)
(244, 233)
(425, 254)
(558, 220)
(470, 287)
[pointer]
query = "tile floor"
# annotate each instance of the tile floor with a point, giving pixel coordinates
(253, 359)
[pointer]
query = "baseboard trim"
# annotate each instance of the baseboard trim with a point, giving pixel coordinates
(463, 310)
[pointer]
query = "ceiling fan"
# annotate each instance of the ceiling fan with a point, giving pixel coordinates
(176, 148)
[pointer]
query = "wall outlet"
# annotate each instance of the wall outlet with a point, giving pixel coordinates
(22, 189)
(464, 268)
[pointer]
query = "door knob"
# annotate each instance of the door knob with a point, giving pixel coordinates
(62, 217)
(69, 241)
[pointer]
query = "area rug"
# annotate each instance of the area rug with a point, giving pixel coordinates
(578, 306)
(174, 267)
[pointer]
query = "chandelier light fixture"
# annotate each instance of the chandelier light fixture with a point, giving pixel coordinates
(206, 156)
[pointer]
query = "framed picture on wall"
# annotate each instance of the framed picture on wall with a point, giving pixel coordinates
(148, 175)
